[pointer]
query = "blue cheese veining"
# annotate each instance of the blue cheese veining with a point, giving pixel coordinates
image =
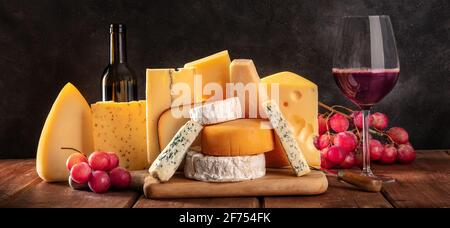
(168, 161)
(290, 146)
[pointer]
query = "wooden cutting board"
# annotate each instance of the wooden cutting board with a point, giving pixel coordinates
(277, 182)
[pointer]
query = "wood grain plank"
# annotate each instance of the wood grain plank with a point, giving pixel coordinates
(15, 176)
(244, 202)
(60, 195)
(425, 183)
(339, 195)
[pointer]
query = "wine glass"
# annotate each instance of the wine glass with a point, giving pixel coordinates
(366, 68)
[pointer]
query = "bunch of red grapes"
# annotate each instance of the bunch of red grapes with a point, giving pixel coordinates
(99, 172)
(340, 140)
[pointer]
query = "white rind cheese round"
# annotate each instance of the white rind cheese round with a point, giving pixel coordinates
(224, 169)
(217, 111)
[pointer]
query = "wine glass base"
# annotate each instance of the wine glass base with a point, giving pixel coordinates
(385, 179)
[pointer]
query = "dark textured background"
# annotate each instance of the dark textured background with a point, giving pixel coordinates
(46, 43)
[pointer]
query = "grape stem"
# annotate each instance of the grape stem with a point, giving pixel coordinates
(70, 148)
(333, 109)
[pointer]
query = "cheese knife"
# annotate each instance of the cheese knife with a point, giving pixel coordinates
(365, 183)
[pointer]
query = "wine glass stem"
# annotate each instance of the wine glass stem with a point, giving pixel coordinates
(366, 153)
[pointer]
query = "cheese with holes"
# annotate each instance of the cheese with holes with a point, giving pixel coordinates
(170, 122)
(298, 101)
(68, 125)
(213, 69)
(161, 91)
(224, 169)
(245, 80)
(120, 127)
(216, 111)
(237, 138)
(168, 161)
(290, 145)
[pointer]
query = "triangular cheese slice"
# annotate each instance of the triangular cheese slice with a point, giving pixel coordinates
(68, 125)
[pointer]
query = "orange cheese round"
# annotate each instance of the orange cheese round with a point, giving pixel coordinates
(277, 157)
(237, 138)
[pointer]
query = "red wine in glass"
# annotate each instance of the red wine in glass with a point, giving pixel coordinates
(366, 68)
(365, 87)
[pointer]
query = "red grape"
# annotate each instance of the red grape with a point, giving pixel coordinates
(338, 123)
(113, 160)
(324, 141)
(99, 182)
(405, 154)
(323, 153)
(349, 161)
(99, 161)
(120, 178)
(389, 155)
(322, 124)
(380, 120)
(346, 141)
(325, 163)
(358, 119)
(398, 134)
(335, 155)
(76, 186)
(376, 149)
(316, 142)
(81, 172)
(74, 159)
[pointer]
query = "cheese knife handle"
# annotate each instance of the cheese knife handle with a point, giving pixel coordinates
(363, 182)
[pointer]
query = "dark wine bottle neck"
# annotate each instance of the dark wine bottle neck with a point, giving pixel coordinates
(118, 51)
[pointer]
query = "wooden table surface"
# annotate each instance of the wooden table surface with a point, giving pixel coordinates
(425, 183)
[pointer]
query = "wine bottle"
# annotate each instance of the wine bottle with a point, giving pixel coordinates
(119, 81)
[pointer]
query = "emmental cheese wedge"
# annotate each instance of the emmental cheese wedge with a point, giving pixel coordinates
(244, 83)
(298, 101)
(120, 127)
(168, 161)
(68, 128)
(237, 138)
(290, 145)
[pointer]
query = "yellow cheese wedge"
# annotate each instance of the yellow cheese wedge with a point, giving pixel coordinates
(213, 69)
(298, 101)
(169, 123)
(245, 81)
(159, 97)
(237, 138)
(120, 127)
(68, 125)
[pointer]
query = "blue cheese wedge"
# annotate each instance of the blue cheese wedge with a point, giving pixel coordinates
(168, 161)
(217, 111)
(283, 130)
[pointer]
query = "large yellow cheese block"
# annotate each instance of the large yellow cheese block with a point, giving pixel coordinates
(245, 81)
(163, 87)
(237, 138)
(120, 127)
(68, 125)
(167, 88)
(213, 69)
(169, 123)
(298, 101)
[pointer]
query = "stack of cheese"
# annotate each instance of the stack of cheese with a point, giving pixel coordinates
(237, 147)
(218, 148)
